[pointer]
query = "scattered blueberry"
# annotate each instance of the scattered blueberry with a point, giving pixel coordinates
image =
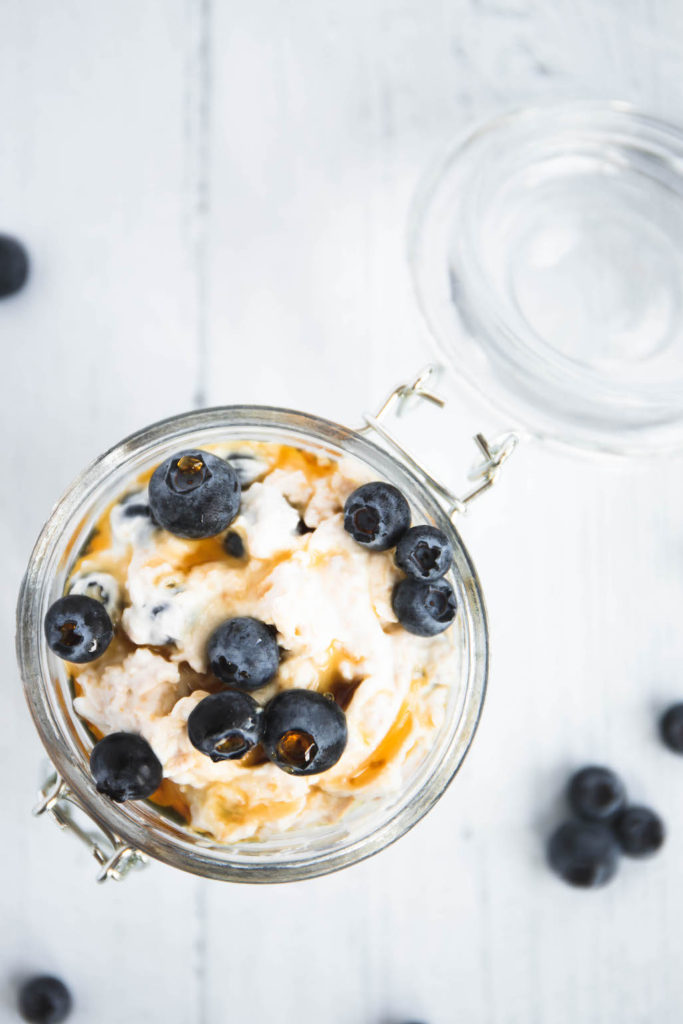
(125, 767)
(78, 628)
(194, 494)
(583, 853)
(225, 725)
(424, 552)
(424, 608)
(596, 793)
(671, 728)
(44, 1000)
(376, 515)
(305, 732)
(243, 652)
(233, 544)
(640, 831)
(13, 266)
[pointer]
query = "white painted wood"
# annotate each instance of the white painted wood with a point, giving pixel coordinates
(97, 174)
(215, 196)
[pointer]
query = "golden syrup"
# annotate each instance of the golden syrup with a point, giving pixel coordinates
(201, 552)
(233, 805)
(313, 467)
(297, 748)
(258, 813)
(170, 794)
(385, 752)
(254, 757)
(342, 690)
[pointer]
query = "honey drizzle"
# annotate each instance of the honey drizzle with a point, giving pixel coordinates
(210, 550)
(170, 794)
(200, 552)
(342, 690)
(235, 813)
(313, 467)
(385, 751)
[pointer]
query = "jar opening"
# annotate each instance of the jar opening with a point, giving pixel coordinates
(296, 854)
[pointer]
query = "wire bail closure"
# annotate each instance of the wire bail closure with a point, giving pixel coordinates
(484, 475)
(116, 859)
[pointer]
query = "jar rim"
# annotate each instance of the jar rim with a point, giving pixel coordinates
(247, 422)
(514, 207)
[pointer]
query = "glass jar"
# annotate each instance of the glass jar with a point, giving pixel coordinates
(546, 250)
(135, 831)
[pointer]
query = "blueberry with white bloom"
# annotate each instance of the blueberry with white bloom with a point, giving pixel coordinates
(125, 767)
(194, 494)
(305, 732)
(423, 608)
(639, 831)
(78, 628)
(226, 725)
(376, 515)
(424, 552)
(243, 652)
(584, 854)
(44, 999)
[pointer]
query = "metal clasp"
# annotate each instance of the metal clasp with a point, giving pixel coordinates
(115, 859)
(484, 475)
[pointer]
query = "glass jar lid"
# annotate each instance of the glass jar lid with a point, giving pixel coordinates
(547, 254)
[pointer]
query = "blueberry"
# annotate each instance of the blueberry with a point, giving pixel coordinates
(583, 853)
(233, 544)
(243, 652)
(671, 728)
(640, 831)
(13, 266)
(424, 608)
(136, 509)
(424, 552)
(194, 494)
(305, 732)
(78, 628)
(224, 726)
(376, 515)
(596, 794)
(44, 1000)
(125, 767)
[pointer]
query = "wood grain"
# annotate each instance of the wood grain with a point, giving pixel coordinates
(215, 198)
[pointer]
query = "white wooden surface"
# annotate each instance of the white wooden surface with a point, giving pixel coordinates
(214, 195)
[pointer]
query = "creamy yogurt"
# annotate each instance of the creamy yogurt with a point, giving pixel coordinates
(330, 601)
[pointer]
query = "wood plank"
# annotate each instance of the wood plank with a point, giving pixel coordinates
(97, 176)
(215, 199)
(322, 123)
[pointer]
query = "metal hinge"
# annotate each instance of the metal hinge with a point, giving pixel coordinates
(115, 858)
(484, 474)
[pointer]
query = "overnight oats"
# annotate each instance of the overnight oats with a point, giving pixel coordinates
(259, 640)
